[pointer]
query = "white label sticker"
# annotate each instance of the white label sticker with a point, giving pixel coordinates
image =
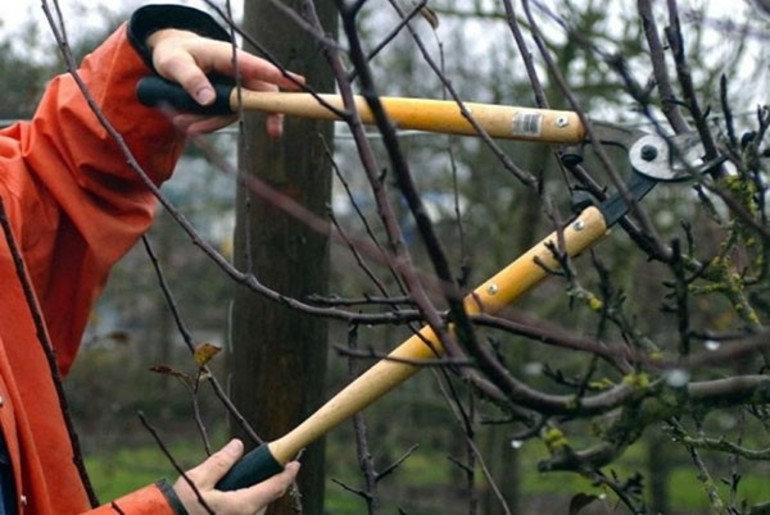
(527, 123)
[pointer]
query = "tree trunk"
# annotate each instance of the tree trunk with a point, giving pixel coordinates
(279, 355)
(659, 467)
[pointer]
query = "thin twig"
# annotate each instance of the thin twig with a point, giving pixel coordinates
(187, 338)
(393, 466)
(669, 104)
(365, 461)
(525, 177)
(426, 363)
(529, 63)
(675, 39)
(174, 463)
(392, 35)
(717, 504)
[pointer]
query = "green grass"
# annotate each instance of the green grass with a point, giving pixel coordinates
(420, 483)
(116, 473)
(124, 471)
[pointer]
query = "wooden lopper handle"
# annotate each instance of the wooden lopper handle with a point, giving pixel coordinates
(490, 297)
(442, 116)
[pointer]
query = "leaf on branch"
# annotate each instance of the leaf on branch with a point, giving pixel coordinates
(430, 15)
(168, 371)
(120, 337)
(205, 352)
(580, 501)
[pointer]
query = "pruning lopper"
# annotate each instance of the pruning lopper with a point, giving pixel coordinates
(652, 158)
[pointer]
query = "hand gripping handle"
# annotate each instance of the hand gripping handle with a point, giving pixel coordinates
(155, 91)
(256, 466)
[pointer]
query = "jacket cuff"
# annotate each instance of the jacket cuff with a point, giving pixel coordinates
(151, 18)
(170, 494)
(150, 500)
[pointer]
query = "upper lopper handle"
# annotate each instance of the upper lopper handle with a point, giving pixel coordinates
(155, 91)
(442, 116)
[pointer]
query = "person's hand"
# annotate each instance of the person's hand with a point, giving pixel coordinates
(185, 57)
(247, 501)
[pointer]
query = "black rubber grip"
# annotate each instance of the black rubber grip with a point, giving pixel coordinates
(155, 91)
(256, 466)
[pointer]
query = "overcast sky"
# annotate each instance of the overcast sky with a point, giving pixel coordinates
(15, 13)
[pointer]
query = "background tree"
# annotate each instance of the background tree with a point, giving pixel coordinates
(278, 361)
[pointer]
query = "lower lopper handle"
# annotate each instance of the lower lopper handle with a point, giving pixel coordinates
(510, 283)
(256, 466)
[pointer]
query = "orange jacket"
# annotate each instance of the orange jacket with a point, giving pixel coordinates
(75, 208)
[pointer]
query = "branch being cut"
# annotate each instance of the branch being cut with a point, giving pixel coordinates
(657, 404)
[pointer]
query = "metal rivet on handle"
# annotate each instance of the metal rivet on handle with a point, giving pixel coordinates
(579, 225)
(492, 289)
(562, 121)
(649, 153)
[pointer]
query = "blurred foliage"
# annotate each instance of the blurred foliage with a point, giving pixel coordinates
(30, 57)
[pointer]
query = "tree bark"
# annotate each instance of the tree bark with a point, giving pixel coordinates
(659, 467)
(278, 361)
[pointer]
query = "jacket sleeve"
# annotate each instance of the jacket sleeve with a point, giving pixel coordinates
(76, 205)
(100, 205)
(157, 499)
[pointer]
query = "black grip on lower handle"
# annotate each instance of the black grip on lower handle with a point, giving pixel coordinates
(256, 466)
(155, 91)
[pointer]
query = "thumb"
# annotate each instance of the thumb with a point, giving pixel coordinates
(208, 473)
